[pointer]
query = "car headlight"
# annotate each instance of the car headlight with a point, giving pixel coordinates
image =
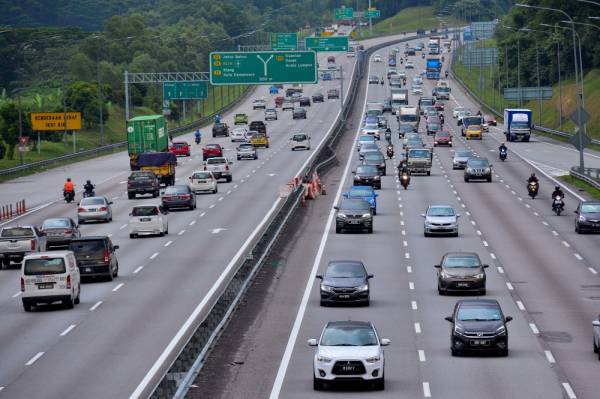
(501, 331)
(487, 170)
(459, 330)
(373, 359)
(479, 276)
(376, 177)
(444, 274)
(382, 165)
(363, 288)
(366, 215)
(323, 359)
(582, 218)
(342, 215)
(469, 170)
(326, 288)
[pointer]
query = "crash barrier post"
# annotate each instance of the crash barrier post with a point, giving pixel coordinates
(8, 212)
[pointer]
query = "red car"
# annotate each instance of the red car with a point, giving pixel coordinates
(279, 102)
(490, 120)
(442, 138)
(439, 106)
(211, 151)
(180, 148)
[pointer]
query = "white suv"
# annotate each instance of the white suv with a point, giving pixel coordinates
(48, 277)
(148, 219)
(349, 350)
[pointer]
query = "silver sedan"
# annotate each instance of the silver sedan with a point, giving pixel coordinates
(440, 219)
(94, 208)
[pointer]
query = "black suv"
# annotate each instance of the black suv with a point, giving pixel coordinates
(304, 102)
(142, 182)
(318, 98)
(354, 214)
(259, 126)
(298, 113)
(376, 159)
(220, 129)
(345, 281)
(478, 168)
(478, 325)
(333, 93)
(96, 256)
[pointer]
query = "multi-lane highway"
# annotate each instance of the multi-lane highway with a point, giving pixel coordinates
(543, 275)
(111, 343)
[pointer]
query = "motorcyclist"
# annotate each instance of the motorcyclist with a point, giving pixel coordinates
(533, 179)
(558, 193)
(442, 58)
(390, 151)
(479, 113)
(89, 188)
(69, 188)
(198, 136)
(388, 135)
(502, 147)
(446, 74)
(423, 55)
(217, 118)
(442, 119)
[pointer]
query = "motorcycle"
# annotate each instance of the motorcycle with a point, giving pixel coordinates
(388, 137)
(532, 189)
(390, 152)
(197, 139)
(503, 155)
(405, 180)
(69, 196)
(446, 74)
(382, 82)
(87, 194)
(557, 205)
(423, 55)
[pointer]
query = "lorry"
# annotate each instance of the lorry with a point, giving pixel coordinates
(419, 160)
(442, 90)
(409, 115)
(147, 133)
(399, 97)
(433, 68)
(517, 124)
(434, 46)
(161, 163)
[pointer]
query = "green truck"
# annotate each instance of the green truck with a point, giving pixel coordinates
(146, 133)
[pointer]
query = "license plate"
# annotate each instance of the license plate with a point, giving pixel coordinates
(13, 245)
(480, 342)
(92, 210)
(45, 286)
(145, 219)
(348, 368)
(88, 269)
(345, 296)
(201, 181)
(354, 221)
(463, 285)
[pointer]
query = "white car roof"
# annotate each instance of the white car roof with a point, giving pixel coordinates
(52, 254)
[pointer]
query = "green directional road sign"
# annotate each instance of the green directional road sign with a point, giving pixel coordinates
(344, 13)
(185, 90)
(326, 43)
(262, 67)
(372, 13)
(284, 41)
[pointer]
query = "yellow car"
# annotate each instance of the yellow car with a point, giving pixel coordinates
(260, 140)
(474, 132)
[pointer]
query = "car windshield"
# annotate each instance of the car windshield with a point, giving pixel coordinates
(201, 175)
(443, 134)
(215, 161)
(463, 154)
(17, 232)
(50, 223)
(440, 211)
(461, 261)
(213, 146)
(366, 169)
(373, 157)
(418, 154)
(478, 313)
(590, 208)
(299, 137)
(359, 193)
(270, 110)
(176, 190)
(369, 147)
(434, 126)
(443, 89)
(472, 120)
(406, 128)
(366, 139)
(246, 147)
(86, 246)
(459, 109)
(92, 201)
(179, 145)
(35, 267)
(519, 125)
(355, 204)
(144, 211)
(478, 163)
(142, 176)
(349, 336)
(345, 270)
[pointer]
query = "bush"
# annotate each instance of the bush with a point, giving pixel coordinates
(2, 149)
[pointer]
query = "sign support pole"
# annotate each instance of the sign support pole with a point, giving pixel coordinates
(20, 130)
(39, 142)
(126, 96)
(342, 92)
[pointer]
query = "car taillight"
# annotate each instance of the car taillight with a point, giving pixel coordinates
(129, 184)
(33, 243)
(106, 256)
(69, 282)
(22, 284)
(450, 142)
(205, 167)
(103, 209)
(185, 196)
(80, 209)
(68, 231)
(435, 142)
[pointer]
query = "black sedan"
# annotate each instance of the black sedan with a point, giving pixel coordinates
(318, 98)
(367, 175)
(376, 159)
(353, 214)
(433, 128)
(333, 93)
(345, 281)
(374, 79)
(588, 217)
(478, 325)
(304, 102)
(461, 271)
(298, 113)
(178, 196)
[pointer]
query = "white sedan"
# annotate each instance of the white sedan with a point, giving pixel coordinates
(376, 58)
(239, 133)
(203, 181)
(456, 111)
(409, 65)
(349, 350)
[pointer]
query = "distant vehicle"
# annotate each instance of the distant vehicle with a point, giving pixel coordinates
(96, 256)
(345, 281)
(49, 277)
(409, 65)
(365, 193)
(94, 208)
(59, 232)
(349, 350)
(147, 133)
(246, 151)
(279, 101)
(204, 180)
(179, 196)
(588, 217)
(439, 106)
(300, 141)
(162, 164)
(416, 89)
(259, 104)
(364, 138)
(287, 105)
(220, 130)
(211, 151)
(456, 111)
(330, 58)
(318, 98)
(260, 140)
(461, 272)
(142, 182)
(353, 214)
(490, 120)
(240, 119)
(433, 127)
(180, 148)
(18, 241)
(367, 175)
(333, 93)
(270, 114)
(258, 126)
(376, 58)
(517, 124)
(298, 113)
(478, 325)
(239, 133)
(478, 169)
(376, 159)
(442, 138)
(440, 219)
(148, 219)
(366, 148)
(473, 132)
(304, 102)
(418, 160)
(219, 166)
(460, 159)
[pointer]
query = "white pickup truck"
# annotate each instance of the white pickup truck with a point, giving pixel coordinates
(18, 241)
(219, 166)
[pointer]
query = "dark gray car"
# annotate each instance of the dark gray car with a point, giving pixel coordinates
(353, 214)
(460, 159)
(460, 272)
(298, 113)
(59, 232)
(588, 217)
(376, 159)
(478, 169)
(345, 281)
(367, 175)
(179, 196)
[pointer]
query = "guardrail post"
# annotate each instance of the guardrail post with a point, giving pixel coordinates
(11, 211)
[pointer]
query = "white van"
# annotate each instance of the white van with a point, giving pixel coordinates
(48, 277)
(148, 219)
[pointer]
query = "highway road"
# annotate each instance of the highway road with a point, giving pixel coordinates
(541, 272)
(108, 344)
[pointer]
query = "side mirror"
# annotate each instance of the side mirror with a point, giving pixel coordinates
(596, 323)
(337, 208)
(507, 319)
(491, 166)
(115, 246)
(319, 276)
(449, 318)
(369, 276)
(458, 215)
(230, 162)
(486, 266)
(385, 342)
(190, 177)
(422, 215)
(312, 342)
(353, 172)
(576, 211)
(437, 266)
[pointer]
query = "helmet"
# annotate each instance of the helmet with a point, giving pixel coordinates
(532, 174)
(557, 188)
(503, 143)
(68, 179)
(88, 181)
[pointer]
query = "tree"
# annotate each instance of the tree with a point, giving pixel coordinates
(9, 126)
(83, 97)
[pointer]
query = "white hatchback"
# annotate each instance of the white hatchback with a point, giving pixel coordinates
(376, 58)
(48, 277)
(203, 180)
(149, 219)
(300, 140)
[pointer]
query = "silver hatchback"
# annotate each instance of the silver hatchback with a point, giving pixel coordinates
(440, 219)
(94, 208)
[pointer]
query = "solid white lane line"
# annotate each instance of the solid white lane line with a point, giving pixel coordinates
(138, 269)
(500, 269)
(426, 390)
(181, 232)
(118, 287)
(550, 357)
(409, 269)
(534, 328)
(509, 286)
(168, 243)
(566, 244)
(569, 390)
(95, 306)
(592, 270)
(67, 330)
(154, 255)
(413, 305)
(417, 328)
(422, 357)
(520, 306)
(411, 285)
(122, 227)
(578, 256)
(17, 294)
(34, 359)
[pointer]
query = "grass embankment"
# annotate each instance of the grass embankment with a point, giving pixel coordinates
(408, 20)
(580, 184)
(114, 128)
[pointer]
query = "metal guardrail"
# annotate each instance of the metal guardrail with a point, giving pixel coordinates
(587, 175)
(205, 120)
(189, 360)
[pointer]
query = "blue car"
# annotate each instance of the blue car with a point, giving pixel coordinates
(364, 192)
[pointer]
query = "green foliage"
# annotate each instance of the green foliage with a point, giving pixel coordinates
(2, 149)
(85, 98)
(474, 10)
(9, 126)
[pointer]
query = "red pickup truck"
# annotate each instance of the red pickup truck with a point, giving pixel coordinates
(211, 151)
(180, 148)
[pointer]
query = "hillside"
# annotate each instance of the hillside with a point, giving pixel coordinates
(408, 20)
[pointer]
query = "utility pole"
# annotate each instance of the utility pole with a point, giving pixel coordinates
(126, 96)
(370, 20)
(21, 155)
(560, 108)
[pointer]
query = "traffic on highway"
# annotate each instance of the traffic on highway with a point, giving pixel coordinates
(441, 258)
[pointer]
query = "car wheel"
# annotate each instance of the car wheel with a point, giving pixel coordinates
(79, 221)
(455, 234)
(317, 384)
(482, 292)
(504, 352)
(338, 230)
(68, 303)
(5, 262)
(161, 234)
(380, 384)
(130, 196)
(489, 179)
(132, 236)
(77, 300)
(577, 229)
(374, 211)
(441, 291)
(116, 273)
(238, 158)
(455, 352)
(425, 234)
(110, 276)
(155, 194)
(229, 178)
(466, 179)
(370, 230)
(428, 173)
